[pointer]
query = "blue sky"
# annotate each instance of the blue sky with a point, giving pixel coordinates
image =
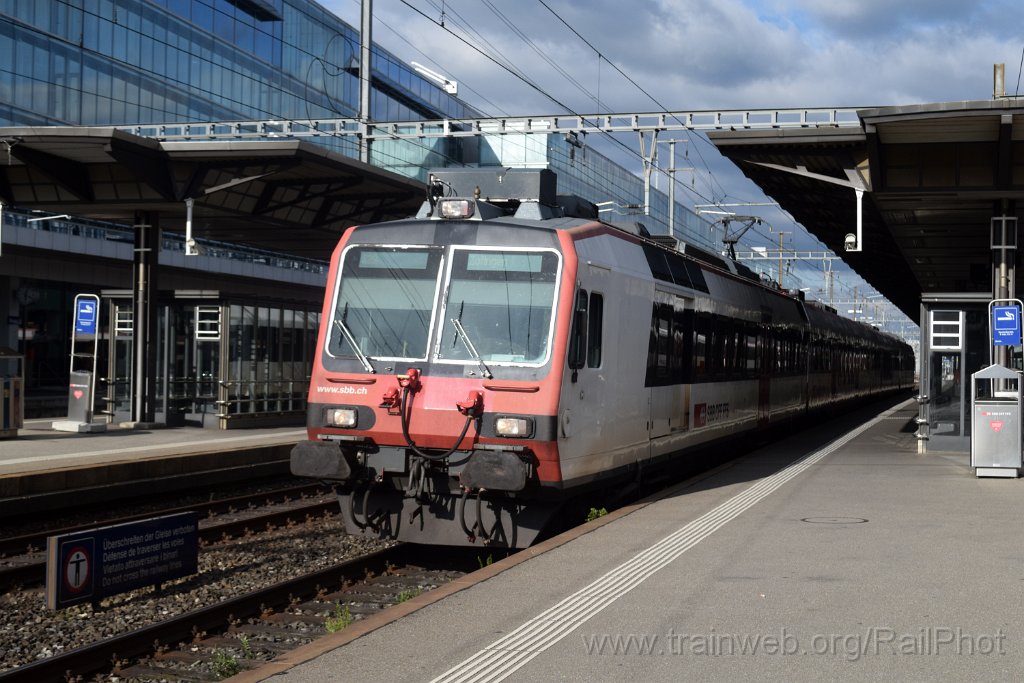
(711, 54)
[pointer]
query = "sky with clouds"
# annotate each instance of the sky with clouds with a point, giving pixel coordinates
(706, 55)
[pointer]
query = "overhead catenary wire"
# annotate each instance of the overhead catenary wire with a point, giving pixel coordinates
(521, 76)
(661, 106)
(655, 100)
(457, 20)
(534, 86)
(1016, 91)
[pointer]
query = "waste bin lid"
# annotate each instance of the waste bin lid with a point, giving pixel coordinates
(996, 372)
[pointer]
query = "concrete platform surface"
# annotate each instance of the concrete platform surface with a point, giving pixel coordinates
(837, 553)
(38, 448)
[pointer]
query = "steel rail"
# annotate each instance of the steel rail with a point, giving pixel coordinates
(16, 545)
(97, 657)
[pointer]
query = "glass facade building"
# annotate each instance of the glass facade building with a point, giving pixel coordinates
(102, 62)
(129, 62)
(122, 62)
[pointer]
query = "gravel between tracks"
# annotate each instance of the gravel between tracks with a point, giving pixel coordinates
(29, 631)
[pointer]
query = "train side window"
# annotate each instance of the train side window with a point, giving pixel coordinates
(681, 364)
(659, 349)
(714, 355)
(751, 351)
(700, 348)
(717, 340)
(578, 336)
(741, 351)
(594, 330)
(658, 261)
(664, 342)
(680, 274)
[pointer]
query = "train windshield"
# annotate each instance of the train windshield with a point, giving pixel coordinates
(384, 302)
(503, 303)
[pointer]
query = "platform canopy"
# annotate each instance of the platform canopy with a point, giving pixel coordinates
(289, 196)
(934, 176)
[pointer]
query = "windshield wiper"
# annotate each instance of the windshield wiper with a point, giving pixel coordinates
(472, 349)
(363, 358)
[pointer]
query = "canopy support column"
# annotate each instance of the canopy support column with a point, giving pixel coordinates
(144, 295)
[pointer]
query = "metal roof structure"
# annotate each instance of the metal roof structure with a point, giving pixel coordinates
(290, 196)
(933, 175)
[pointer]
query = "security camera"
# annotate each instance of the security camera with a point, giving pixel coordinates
(850, 242)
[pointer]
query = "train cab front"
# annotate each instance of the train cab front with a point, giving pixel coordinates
(433, 400)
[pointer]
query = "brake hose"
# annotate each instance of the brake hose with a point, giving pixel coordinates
(366, 501)
(478, 530)
(462, 515)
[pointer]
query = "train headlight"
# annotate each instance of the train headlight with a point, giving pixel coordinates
(345, 418)
(514, 427)
(455, 208)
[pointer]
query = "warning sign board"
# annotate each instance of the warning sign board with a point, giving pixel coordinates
(87, 566)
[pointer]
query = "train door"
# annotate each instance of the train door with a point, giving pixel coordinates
(766, 363)
(668, 366)
(207, 343)
(659, 369)
(584, 409)
(955, 345)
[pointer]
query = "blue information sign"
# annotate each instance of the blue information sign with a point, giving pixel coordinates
(1006, 326)
(86, 566)
(85, 316)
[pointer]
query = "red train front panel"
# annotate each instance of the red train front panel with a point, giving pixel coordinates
(434, 398)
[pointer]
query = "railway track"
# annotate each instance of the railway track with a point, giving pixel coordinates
(24, 543)
(255, 627)
(236, 516)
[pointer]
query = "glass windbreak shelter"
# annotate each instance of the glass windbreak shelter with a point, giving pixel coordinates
(220, 363)
(954, 345)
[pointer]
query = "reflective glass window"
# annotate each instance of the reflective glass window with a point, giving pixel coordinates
(202, 15)
(504, 302)
(384, 302)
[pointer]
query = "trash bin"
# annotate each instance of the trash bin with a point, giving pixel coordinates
(995, 422)
(12, 392)
(80, 397)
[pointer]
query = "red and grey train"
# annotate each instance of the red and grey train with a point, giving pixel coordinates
(505, 350)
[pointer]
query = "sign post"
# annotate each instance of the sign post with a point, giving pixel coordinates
(1004, 325)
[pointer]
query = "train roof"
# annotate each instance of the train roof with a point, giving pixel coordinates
(528, 197)
(525, 194)
(825, 319)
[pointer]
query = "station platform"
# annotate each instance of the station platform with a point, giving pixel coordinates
(836, 553)
(40, 467)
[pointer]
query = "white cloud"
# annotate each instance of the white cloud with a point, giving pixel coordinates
(713, 54)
